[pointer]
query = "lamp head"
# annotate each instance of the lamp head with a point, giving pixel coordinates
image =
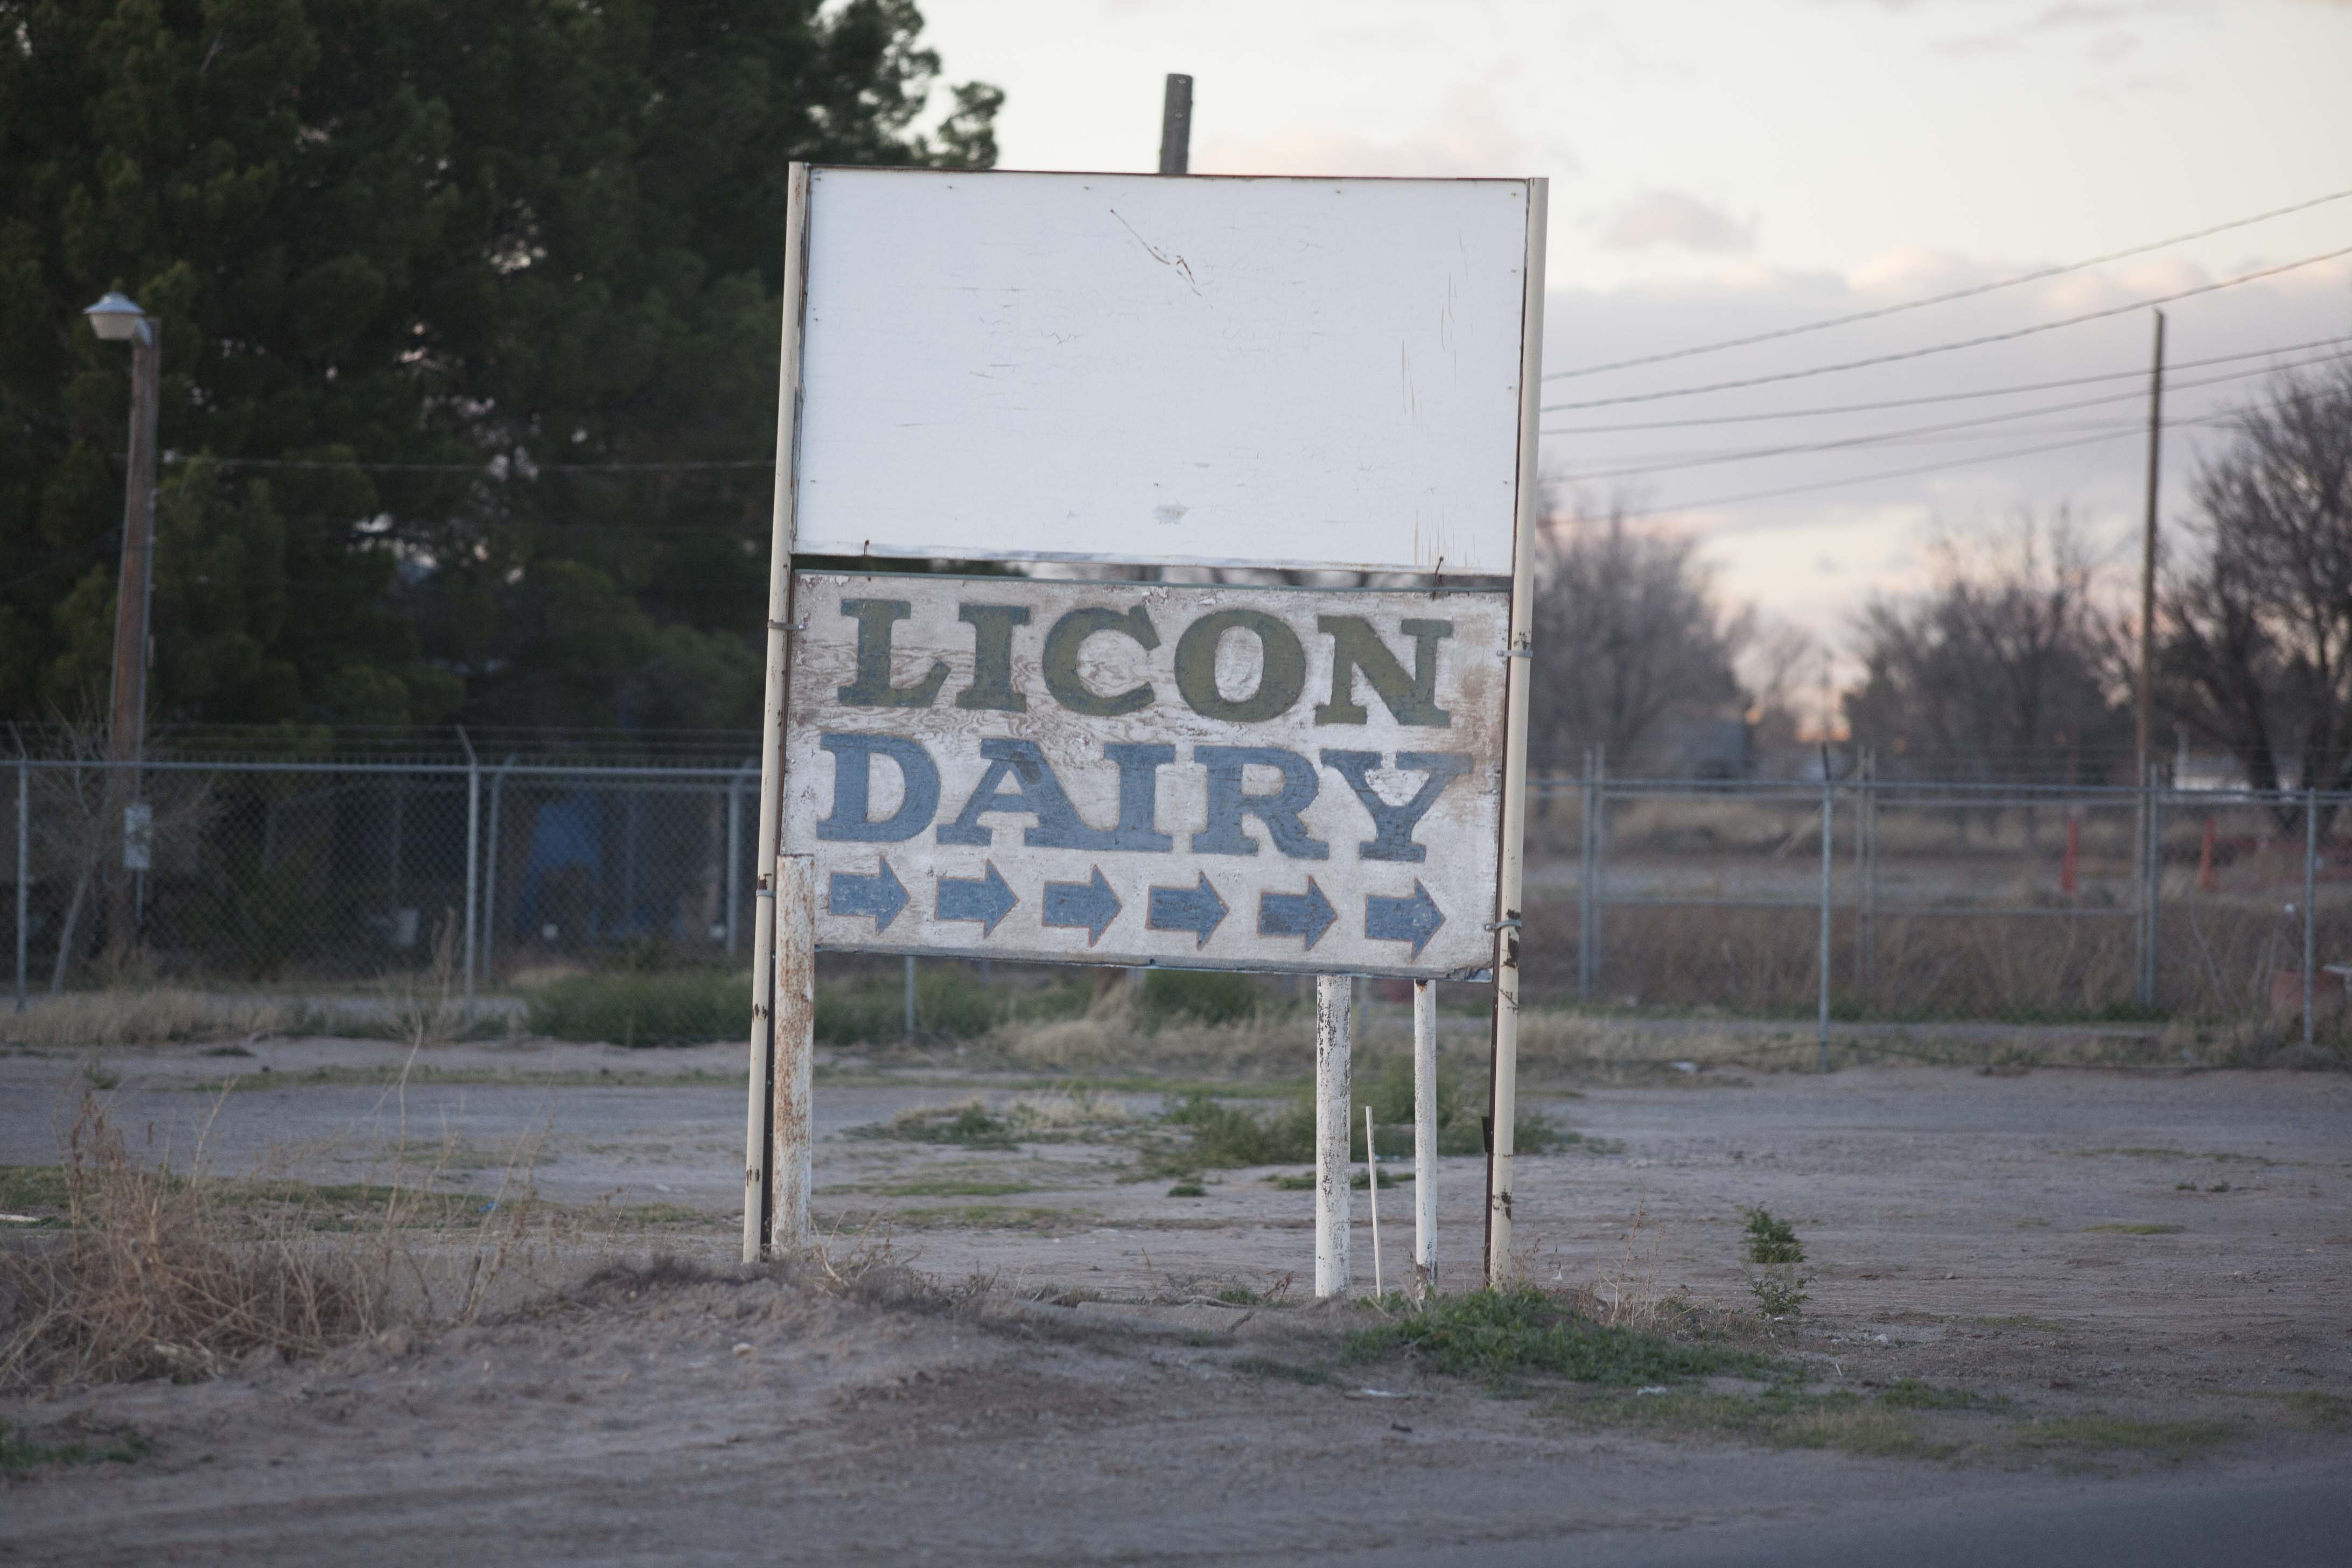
(116, 317)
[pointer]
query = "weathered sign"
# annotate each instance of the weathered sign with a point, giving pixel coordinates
(1146, 773)
(1120, 367)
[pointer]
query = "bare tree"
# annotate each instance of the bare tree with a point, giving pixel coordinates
(1629, 634)
(1777, 664)
(2003, 667)
(2257, 655)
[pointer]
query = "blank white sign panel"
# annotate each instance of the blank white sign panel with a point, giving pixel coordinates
(1113, 367)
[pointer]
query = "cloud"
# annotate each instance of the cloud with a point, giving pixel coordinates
(1469, 136)
(1674, 217)
(1978, 44)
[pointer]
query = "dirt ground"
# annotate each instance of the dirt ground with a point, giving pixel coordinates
(2115, 1286)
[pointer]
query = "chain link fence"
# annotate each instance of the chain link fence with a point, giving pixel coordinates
(1855, 896)
(1859, 897)
(305, 875)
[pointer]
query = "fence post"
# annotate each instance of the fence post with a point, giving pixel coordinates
(1829, 862)
(24, 870)
(1588, 916)
(473, 857)
(2310, 899)
(2143, 982)
(1865, 868)
(735, 854)
(490, 873)
(1584, 886)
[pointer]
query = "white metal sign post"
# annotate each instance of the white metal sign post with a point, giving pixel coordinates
(1252, 374)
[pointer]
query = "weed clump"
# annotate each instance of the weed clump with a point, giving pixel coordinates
(2100, 1433)
(1203, 996)
(1223, 1135)
(1501, 1334)
(1226, 1135)
(969, 1125)
(1775, 1252)
(639, 1008)
(20, 1456)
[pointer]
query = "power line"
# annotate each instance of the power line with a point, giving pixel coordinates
(2138, 372)
(1707, 459)
(2010, 336)
(481, 467)
(1969, 293)
(1922, 468)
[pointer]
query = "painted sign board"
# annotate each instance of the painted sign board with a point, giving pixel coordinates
(1277, 372)
(1195, 776)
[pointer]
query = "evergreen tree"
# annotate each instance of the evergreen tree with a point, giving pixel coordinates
(411, 256)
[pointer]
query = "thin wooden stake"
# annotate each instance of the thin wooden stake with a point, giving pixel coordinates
(1372, 1196)
(1424, 1138)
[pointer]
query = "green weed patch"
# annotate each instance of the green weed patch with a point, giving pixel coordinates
(19, 1457)
(1775, 1418)
(2100, 1433)
(1503, 1334)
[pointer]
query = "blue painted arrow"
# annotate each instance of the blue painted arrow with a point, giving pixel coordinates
(987, 899)
(1196, 910)
(881, 895)
(1091, 906)
(1414, 920)
(1308, 914)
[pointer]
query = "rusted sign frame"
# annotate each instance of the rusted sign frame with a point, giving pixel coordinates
(766, 1223)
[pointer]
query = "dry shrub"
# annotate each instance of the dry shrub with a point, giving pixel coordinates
(1626, 1294)
(183, 1273)
(141, 1016)
(1571, 1045)
(1062, 1111)
(149, 1279)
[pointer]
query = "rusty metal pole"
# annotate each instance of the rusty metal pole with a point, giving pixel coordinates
(795, 1049)
(1334, 997)
(1503, 1080)
(757, 1152)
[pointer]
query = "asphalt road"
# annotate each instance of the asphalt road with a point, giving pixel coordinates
(2300, 1521)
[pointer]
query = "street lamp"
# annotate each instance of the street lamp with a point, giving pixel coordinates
(118, 319)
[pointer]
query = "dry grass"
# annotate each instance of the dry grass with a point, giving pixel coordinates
(1626, 1294)
(143, 1017)
(1247, 1049)
(2216, 960)
(182, 1273)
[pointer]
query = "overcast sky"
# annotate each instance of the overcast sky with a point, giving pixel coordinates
(1724, 167)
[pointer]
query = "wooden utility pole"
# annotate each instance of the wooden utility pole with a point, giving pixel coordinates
(2144, 729)
(127, 722)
